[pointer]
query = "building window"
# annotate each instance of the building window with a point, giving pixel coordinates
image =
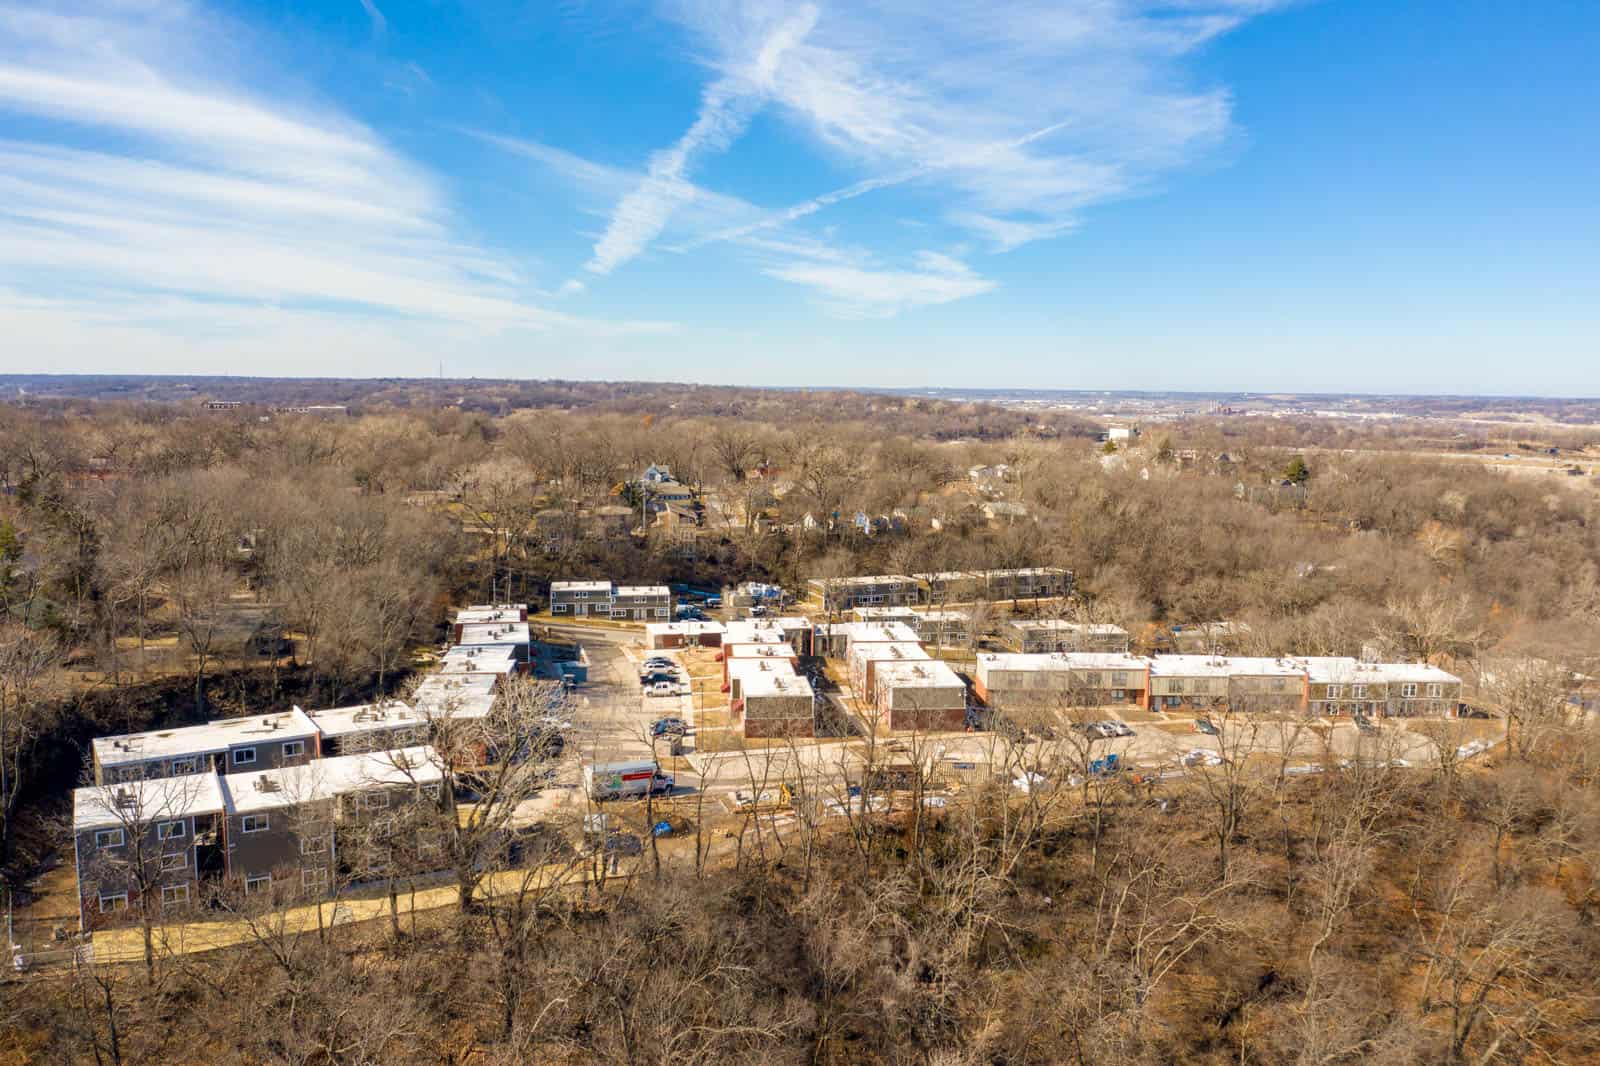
(1358, 691)
(1119, 679)
(560, 608)
(258, 883)
(315, 877)
(1119, 694)
(1335, 691)
(176, 860)
(244, 756)
(254, 823)
(109, 838)
(293, 749)
(1435, 691)
(185, 766)
(171, 894)
(374, 799)
(170, 831)
(1408, 690)
(115, 902)
(661, 612)
(313, 845)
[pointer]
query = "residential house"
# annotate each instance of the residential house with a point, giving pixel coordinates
(1033, 582)
(641, 603)
(768, 699)
(942, 628)
(689, 634)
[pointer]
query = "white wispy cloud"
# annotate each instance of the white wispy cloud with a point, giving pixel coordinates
(1023, 112)
(380, 25)
(162, 180)
(862, 292)
(726, 107)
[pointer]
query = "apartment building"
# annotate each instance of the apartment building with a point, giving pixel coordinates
(768, 699)
(641, 603)
(660, 635)
(146, 843)
(252, 742)
(500, 660)
(289, 825)
(924, 696)
(1063, 679)
(513, 638)
(844, 593)
(1053, 634)
(384, 725)
(488, 613)
(864, 658)
(581, 599)
(1033, 582)
(949, 586)
(1340, 686)
(942, 628)
(1238, 682)
(882, 614)
(602, 599)
(834, 640)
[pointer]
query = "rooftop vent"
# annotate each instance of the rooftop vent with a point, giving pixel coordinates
(124, 797)
(267, 784)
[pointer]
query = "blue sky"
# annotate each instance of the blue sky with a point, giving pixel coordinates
(1346, 195)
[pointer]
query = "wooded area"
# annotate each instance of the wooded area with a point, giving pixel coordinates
(161, 564)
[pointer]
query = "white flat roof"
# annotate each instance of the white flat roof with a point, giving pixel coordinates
(1225, 666)
(217, 735)
(455, 695)
(1059, 660)
(760, 651)
(888, 651)
(871, 632)
(643, 590)
(481, 653)
(1060, 625)
(322, 779)
(580, 586)
(930, 673)
(494, 633)
(749, 631)
(1323, 669)
(365, 717)
(778, 681)
(945, 575)
(869, 579)
(943, 616)
(688, 629)
(507, 613)
(1399, 673)
(145, 801)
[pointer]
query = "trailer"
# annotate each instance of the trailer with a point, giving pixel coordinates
(633, 779)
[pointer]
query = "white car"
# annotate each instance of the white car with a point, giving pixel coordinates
(664, 688)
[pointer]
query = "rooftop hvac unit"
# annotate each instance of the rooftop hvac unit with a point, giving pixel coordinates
(266, 784)
(124, 798)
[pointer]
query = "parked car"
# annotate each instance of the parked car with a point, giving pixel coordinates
(1363, 723)
(713, 602)
(664, 688)
(658, 678)
(663, 727)
(659, 660)
(1117, 729)
(1204, 725)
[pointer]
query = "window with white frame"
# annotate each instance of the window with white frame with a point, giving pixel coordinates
(185, 766)
(372, 800)
(560, 608)
(244, 756)
(1335, 691)
(255, 823)
(293, 749)
(1118, 694)
(1408, 690)
(171, 894)
(171, 830)
(258, 883)
(314, 877)
(175, 860)
(1119, 679)
(1358, 691)
(661, 612)
(115, 901)
(109, 838)
(316, 845)
(1435, 691)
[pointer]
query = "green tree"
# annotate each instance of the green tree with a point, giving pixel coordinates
(1297, 471)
